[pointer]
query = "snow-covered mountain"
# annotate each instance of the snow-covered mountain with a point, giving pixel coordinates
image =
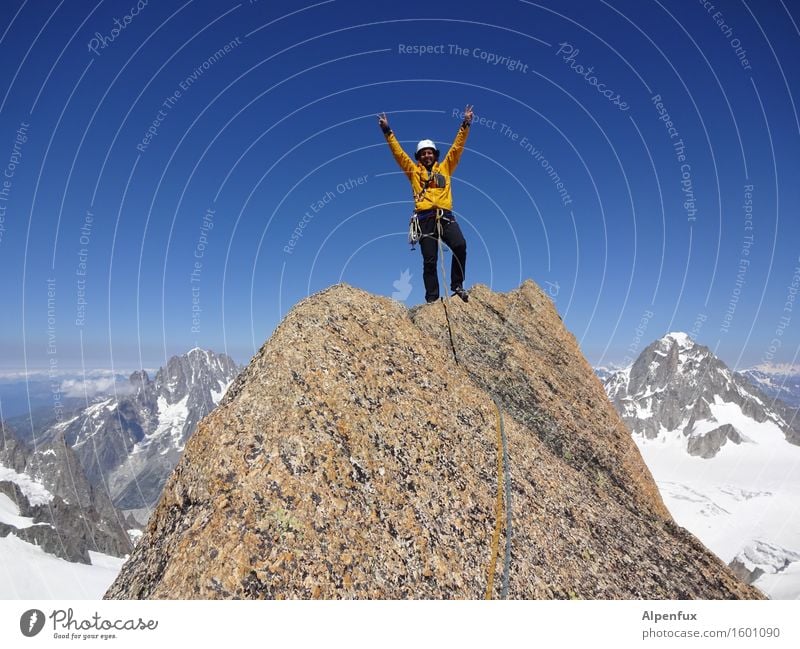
(776, 381)
(60, 535)
(54, 525)
(130, 443)
(725, 456)
(603, 372)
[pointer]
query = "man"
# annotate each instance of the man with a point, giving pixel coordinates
(433, 201)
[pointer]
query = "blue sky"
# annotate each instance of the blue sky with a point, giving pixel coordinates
(159, 170)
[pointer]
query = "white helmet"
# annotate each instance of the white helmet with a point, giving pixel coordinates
(426, 144)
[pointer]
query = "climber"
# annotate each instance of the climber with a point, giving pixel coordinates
(433, 202)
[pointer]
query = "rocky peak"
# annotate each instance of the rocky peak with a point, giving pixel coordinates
(194, 382)
(68, 517)
(141, 385)
(356, 456)
(664, 359)
(676, 383)
(199, 371)
(128, 445)
(13, 453)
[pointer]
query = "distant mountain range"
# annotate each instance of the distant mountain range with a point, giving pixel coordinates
(723, 452)
(66, 497)
(131, 443)
(776, 381)
(722, 446)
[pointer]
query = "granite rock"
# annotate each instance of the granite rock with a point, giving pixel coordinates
(355, 457)
(708, 444)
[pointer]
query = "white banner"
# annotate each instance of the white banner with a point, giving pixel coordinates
(403, 625)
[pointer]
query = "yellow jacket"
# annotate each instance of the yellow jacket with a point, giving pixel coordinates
(438, 192)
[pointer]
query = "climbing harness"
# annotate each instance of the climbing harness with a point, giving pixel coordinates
(414, 229)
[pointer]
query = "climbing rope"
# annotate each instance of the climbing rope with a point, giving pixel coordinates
(444, 280)
(502, 458)
(503, 477)
(499, 505)
(509, 528)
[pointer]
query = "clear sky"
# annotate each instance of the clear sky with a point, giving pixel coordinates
(182, 173)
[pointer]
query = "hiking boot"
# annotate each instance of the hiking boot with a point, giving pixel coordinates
(459, 290)
(436, 299)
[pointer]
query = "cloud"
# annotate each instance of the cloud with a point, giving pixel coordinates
(91, 387)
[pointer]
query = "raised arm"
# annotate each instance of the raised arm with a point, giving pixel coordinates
(450, 161)
(402, 158)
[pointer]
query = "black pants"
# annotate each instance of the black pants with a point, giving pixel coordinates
(429, 245)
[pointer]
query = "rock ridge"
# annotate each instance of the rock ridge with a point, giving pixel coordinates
(355, 458)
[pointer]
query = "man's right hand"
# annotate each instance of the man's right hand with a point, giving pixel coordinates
(468, 114)
(383, 122)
